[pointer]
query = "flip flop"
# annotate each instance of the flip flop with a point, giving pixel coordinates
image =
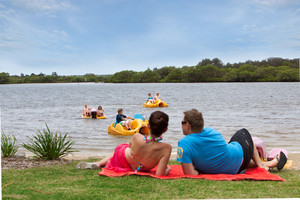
(281, 161)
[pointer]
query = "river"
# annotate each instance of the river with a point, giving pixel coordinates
(270, 111)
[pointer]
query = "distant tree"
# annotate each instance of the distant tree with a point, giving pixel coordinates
(4, 78)
(89, 77)
(164, 71)
(22, 75)
(204, 62)
(137, 77)
(217, 62)
(122, 77)
(210, 73)
(150, 76)
(54, 74)
(41, 74)
(190, 74)
(275, 62)
(174, 75)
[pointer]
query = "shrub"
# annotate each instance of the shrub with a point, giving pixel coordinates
(48, 145)
(8, 145)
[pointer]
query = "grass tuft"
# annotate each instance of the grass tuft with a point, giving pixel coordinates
(8, 145)
(49, 146)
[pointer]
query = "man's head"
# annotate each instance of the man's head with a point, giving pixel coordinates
(157, 93)
(120, 111)
(192, 122)
(158, 122)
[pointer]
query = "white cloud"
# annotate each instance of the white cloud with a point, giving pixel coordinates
(248, 27)
(44, 7)
(275, 3)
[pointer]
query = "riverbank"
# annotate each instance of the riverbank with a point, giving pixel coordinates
(28, 161)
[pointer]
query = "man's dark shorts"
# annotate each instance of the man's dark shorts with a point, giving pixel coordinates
(244, 138)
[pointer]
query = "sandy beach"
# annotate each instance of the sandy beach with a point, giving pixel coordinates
(295, 157)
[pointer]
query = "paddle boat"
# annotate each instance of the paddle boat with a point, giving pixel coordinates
(157, 103)
(93, 117)
(138, 125)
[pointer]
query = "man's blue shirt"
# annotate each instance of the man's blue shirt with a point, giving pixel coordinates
(209, 152)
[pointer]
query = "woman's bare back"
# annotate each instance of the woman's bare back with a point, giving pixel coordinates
(147, 154)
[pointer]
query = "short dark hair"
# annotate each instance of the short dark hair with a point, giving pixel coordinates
(120, 110)
(195, 119)
(158, 122)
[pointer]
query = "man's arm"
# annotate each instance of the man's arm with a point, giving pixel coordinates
(188, 169)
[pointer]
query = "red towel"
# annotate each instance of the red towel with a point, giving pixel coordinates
(258, 174)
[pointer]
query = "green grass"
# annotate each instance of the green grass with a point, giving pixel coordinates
(67, 182)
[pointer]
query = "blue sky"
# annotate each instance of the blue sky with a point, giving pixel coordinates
(75, 37)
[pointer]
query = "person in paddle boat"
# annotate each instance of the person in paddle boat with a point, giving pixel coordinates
(204, 150)
(143, 153)
(157, 97)
(100, 111)
(150, 99)
(122, 119)
(86, 111)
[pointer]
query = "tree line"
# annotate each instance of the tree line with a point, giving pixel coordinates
(207, 70)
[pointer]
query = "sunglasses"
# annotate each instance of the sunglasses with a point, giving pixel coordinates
(183, 122)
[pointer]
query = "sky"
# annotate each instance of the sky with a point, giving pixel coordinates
(75, 37)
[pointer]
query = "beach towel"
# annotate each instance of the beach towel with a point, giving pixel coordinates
(257, 174)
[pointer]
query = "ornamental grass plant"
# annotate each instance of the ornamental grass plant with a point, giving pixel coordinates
(8, 145)
(48, 145)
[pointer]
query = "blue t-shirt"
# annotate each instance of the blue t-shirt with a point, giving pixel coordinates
(209, 152)
(119, 118)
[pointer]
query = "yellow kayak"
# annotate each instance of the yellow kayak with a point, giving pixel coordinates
(137, 126)
(158, 103)
(90, 117)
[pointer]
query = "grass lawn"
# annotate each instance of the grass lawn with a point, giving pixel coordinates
(67, 182)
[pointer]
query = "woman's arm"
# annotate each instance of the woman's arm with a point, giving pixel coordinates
(163, 168)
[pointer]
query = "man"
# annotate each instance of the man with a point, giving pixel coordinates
(86, 111)
(157, 97)
(204, 150)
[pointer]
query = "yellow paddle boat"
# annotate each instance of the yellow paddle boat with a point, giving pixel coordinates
(93, 117)
(137, 126)
(157, 103)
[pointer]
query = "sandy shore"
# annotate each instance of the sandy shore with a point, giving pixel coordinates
(295, 157)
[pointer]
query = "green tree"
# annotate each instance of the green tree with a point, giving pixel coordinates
(122, 77)
(4, 78)
(210, 73)
(150, 76)
(174, 75)
(288, 74)
(164, 72)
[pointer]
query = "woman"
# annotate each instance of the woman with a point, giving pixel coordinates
(143, 153)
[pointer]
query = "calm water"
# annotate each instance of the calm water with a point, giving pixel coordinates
(270, 111)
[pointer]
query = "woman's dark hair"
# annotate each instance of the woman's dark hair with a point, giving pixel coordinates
(158, 122)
